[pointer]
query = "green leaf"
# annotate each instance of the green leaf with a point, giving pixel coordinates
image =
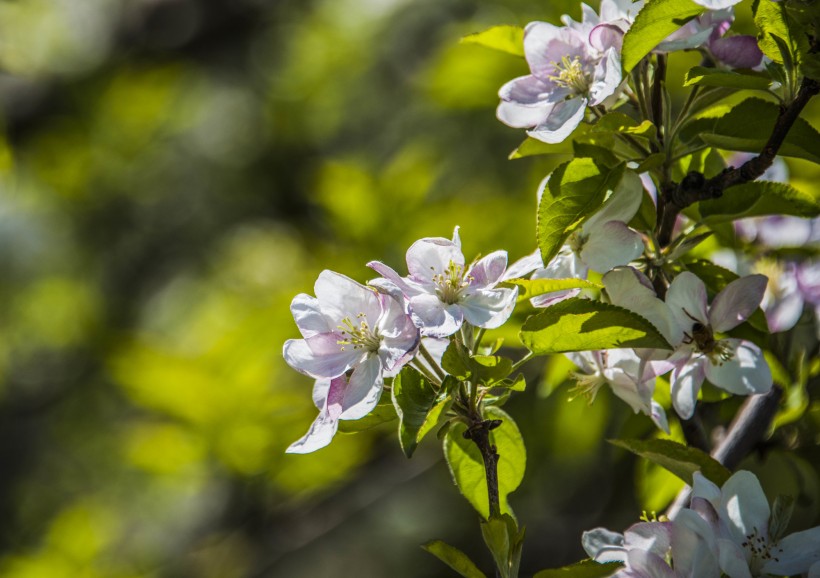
(759, 198)
(701, 76)
(497, 538)
(454, 558)
(656, 20)
(455, 361)
(618, 122)
(529, 288)
(584, 325)
(467, 466)
(779, 37)
(602, 155)
(434, 417)
(748, 125)
(679, 459)
(490, 368)
(576, 190)
(782, 510)
(383, 412)
(414, 398)
(509, 39)
(583, 569)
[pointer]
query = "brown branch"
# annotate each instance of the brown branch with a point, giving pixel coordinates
(479, 433)
(696, 187)
(749, 426)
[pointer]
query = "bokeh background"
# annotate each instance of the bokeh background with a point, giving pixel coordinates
(173, 172)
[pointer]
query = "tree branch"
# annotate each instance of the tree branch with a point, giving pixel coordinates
(479, 433)
(749, 426)
(696, 187)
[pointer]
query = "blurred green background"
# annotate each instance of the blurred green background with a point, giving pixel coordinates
(173, 172)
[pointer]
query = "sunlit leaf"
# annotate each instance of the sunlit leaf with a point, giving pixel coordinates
(454, 558)
(584, 325)
(702, 76)
(413, 397)
(679, 459)
(509, 39)
(759, 198)
(583, 569)
(529, 288)
(656, 20)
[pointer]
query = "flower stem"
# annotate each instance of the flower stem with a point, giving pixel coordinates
(429, 358)
(517, 365)
(426, 372)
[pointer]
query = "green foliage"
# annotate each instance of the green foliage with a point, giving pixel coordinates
(759, 198)
(505, 543)
(575, 191)
(583, 569)
(679, 459)
(748, 125)
(656, 20)
(414, 399)
(467, 466)
(384, 412)
(454, 558)
(584, 325)
(509, 39)
(486, 369)
(701, 76)
(529, 288)
(779, 36)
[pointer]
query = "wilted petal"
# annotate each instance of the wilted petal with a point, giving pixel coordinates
(611, 245)
(738, 300)
(737, 51)
(363, 390)
(686, 383)
(432, 256)
(687, 299)
(489, 308)
(488, 270)
(562, 120)
(745, 373)
(433, 317)
(744, 507)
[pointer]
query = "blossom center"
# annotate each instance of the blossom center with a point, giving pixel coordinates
(451, 283)
(570, 73)
(359, 337)
(761, 551)
(587, 385)
(576, 242)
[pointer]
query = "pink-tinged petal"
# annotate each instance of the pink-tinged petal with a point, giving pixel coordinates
(432, 256)
(605, 36)
(745, 373)
(400, 340)
(363, 390)
(611, 245)
(658, 416)
(566, 265)
(627, 288)
(738, 300)
(341, 297)
(642, 564)
(302, 355)
(524, 266)
(526, 90)
(390, 274)
(320, 390)
(545, 44)
(308, 316)
(489, 308)
(433, 317)
(324, 427)
(457, 237)
(744, 507)
(694, 546)
(716, 4)
(621, 205)
(562, 120)
(737, 51)
(607, 77)
(732, 559)
(655, 537)
(487, 271)
(687, 299)
(686, 383)
(520, 116)
(783, 313)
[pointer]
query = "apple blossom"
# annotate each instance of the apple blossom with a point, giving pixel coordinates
(735, 365)
(347, 329)
(739, 515)
(442, 292)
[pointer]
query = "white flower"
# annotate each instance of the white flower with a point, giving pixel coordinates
(739, 516)
(347, 329)
(441, 292)
(735, 365)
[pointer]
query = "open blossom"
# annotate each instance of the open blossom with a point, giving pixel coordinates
(442, 292)
(739, 516)
(736, 365)
(567, 74)
(631, 378)
(352, 337)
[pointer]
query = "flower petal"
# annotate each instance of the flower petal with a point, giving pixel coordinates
(607, 77)
(732, 559)
(561, 121)
(305, 359)
(489, 308)
(390, 274)
(433, 317)
(739, 51)
(686, 383)
(545, 44)
(524, 266)
(693, 537)
(745, 373)
(717, 4)
(705, 489)
(655, 537)
(341, 297)
(308, 316)
(324, 427)
(526, 90)
(647, 565)
(363, 390)
(687, 299)
(487, 271)
(521, 116)
(432, 256)
(744, 507)
(658, 415)
(738, 300)
(595, 540)
(621, 205)
(611, 245)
